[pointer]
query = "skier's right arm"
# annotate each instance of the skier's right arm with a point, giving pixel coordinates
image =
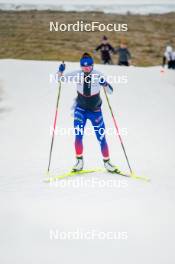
(61, 69)
(68, 77)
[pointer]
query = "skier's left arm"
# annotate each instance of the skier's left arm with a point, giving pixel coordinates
(106, 85)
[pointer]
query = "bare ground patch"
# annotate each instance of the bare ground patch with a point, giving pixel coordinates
(26, 35)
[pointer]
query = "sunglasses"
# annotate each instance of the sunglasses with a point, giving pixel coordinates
(87, 68)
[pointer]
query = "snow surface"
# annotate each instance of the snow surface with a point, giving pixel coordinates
(30, 208)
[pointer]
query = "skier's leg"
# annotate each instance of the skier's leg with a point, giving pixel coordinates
(99, 128)
(79, 124)
(97, 121)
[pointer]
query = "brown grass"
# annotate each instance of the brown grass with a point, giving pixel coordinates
(26, 35)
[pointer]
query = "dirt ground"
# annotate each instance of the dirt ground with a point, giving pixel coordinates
(26, 35)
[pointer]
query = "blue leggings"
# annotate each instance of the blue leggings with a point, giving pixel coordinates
(96, 118)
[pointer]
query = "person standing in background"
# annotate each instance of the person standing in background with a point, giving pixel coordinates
(106, 49)
(168, 57)
(124, 54)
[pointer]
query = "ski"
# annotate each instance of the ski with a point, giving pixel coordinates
(76, 173)
(70, 174)
(132, 175)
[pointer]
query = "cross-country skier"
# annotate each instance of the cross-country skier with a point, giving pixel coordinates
(124, 55)
(105, 48)
(88, 106)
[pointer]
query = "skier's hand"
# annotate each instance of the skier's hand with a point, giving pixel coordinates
(106, 85)
(62, 67)
(102, 82)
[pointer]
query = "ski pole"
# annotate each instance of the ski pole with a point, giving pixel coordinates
(54, 125)
(117, 129)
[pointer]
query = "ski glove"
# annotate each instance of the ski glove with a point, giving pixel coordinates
(62, 67)
(104, 83)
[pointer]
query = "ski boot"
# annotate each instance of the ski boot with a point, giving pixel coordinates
(109, 167)
(79, 164)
